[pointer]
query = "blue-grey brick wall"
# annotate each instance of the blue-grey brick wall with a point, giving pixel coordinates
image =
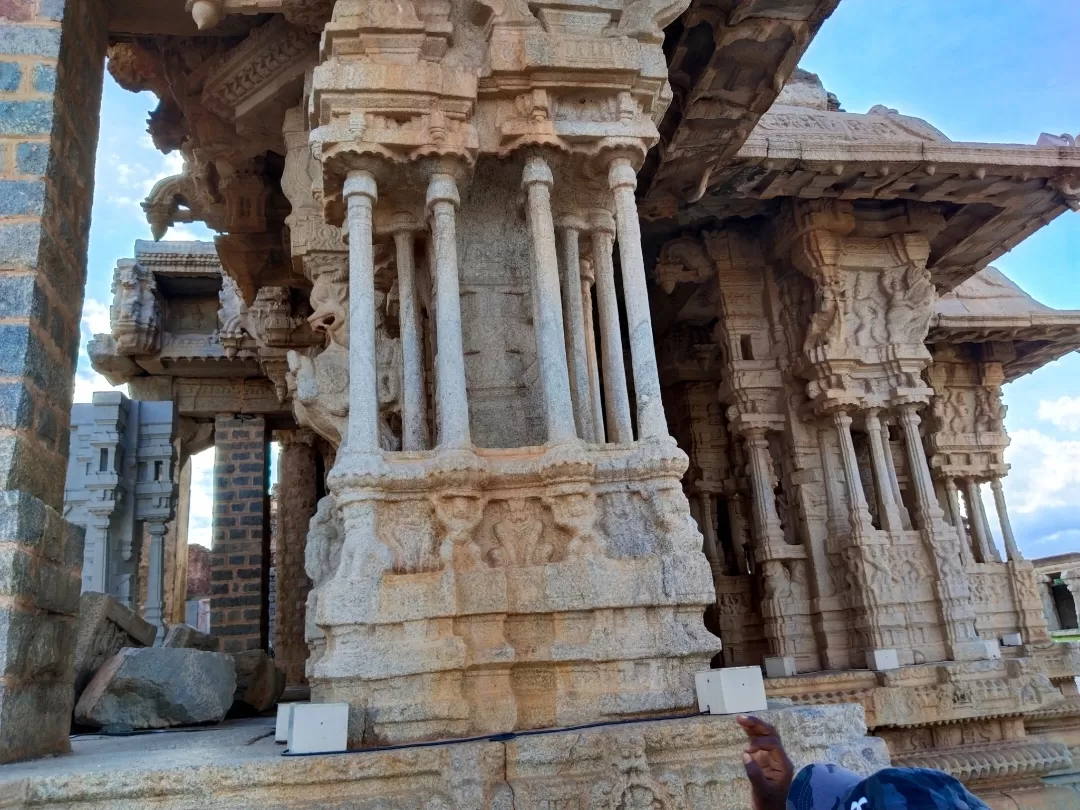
(240, 560)
(52, 57)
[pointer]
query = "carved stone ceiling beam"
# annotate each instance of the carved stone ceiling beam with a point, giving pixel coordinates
(728, 63)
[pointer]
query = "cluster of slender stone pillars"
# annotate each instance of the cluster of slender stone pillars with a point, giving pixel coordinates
(562, 315)
(893, 516)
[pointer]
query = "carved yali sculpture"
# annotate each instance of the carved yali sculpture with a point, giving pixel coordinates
(319, 385)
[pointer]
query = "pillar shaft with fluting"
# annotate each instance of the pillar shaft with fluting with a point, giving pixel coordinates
(894, 481)
(361, 193)
(651, 422)
(595, 404)
(927, 508)
(1011, 549)
(550, 346)
(453, 403)
(980, 527)
(766, 520)
(155, 578)
(956, 518)
(574, 325)
(414, 433)
(858, 510)
(616, 398)
(951, 584)
(890, 513)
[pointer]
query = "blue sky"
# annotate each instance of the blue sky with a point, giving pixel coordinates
(978, 70)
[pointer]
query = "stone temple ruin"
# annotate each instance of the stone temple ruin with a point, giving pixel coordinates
(603, 346)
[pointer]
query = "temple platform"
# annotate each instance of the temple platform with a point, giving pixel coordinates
(690, 762)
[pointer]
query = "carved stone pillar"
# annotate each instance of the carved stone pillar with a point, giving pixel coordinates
(616, 399)
(574, 325)
(867, 556)
(297, 500)
(737, 513)
(956, 518)
(708, 529)
(926, 504)
(155, 579)
(980, 528)
(767, 529)
(953, 592)
(651, 422)
(363, 438)
(890, 514)
(890, 465)
(550, 345)
(453, 403)
(858, 510)
(588, 278)
(414, 432)
(1011, 549)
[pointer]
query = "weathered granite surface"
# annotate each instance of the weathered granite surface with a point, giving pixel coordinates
(104, 628)
(692, 763)
(157, 688)
(259, 682)
(187, 637)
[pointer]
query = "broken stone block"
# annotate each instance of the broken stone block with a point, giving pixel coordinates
(159, 687)
(259, 683)
(105, 627)
(184, 636)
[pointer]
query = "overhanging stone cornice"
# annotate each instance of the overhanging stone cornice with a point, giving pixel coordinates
(727, 63)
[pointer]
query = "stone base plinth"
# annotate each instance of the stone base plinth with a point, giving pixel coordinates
(691, 763)
(998, 725)
(499, 590)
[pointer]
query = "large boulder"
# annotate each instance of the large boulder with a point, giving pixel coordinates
(259, 683)
(159, 687)
(104, 628)
(184, 636)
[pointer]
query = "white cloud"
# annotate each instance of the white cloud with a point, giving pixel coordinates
(1045, 471)
(89, 381)
(1063, 412)
(1041, 492)
(179, 233)
(201, 514)
(95, 317)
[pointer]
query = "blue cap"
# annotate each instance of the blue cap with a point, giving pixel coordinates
(830, 787)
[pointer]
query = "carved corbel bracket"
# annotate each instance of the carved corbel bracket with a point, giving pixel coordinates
(136, 314)
(309, 14)
(683, 260)
(1068, 185)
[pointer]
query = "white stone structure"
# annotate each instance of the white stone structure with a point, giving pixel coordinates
(121, 488)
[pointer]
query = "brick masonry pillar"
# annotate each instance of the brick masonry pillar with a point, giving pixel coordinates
(238, 575)
(297, 493)
(52, 59)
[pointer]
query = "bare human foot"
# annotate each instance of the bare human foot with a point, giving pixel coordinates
(767, 764)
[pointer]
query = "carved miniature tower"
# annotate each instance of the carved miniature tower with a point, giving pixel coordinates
(527, 558)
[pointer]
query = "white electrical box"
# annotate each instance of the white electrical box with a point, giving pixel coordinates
(993, 649)
(880, 660)
(318, 728)
(1012, 640)
(777, 666)
(284, 715)
(732, 690)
